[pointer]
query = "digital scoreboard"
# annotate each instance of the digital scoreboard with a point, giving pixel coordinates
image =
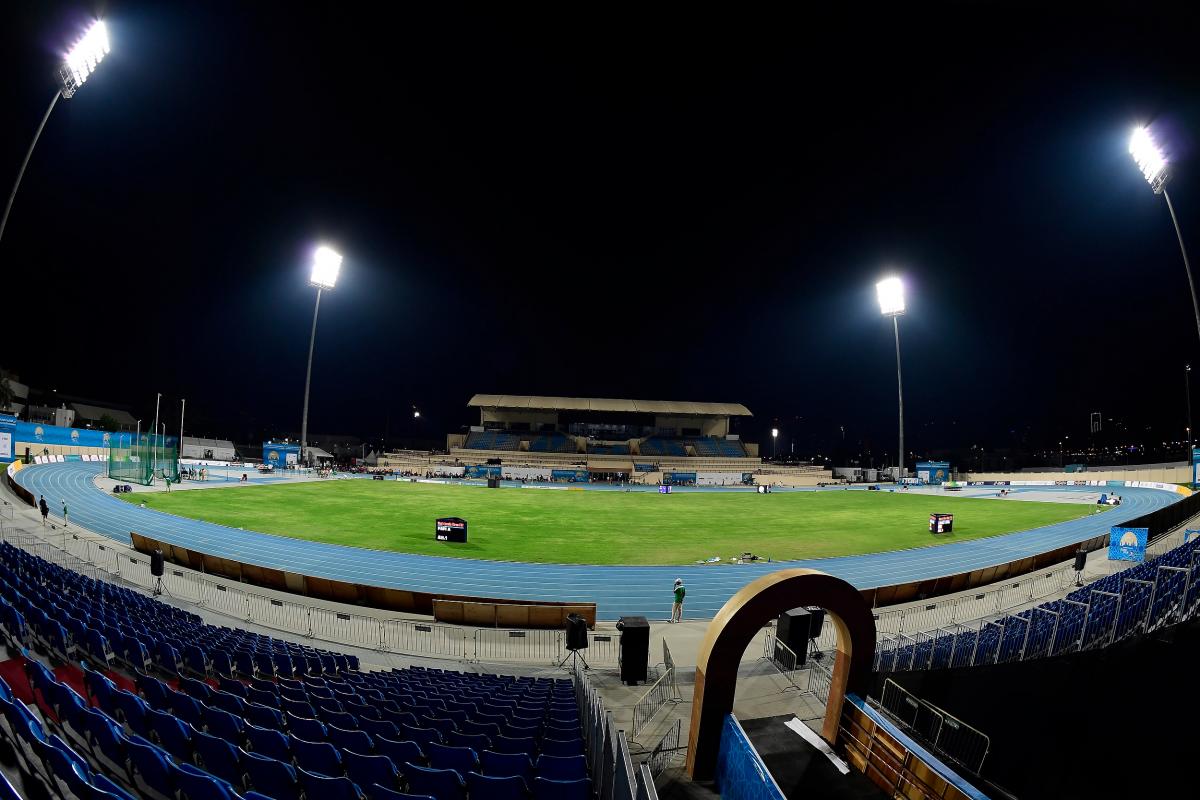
(451, 529)
(941, 523)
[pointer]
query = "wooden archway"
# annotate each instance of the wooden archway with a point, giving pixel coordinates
(743, 616)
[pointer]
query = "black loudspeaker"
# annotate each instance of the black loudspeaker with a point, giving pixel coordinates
(577, 638)
(493, 483)
(816, 621)
(635, 648)
(1080, 560)
(792, 629)
(156, 563)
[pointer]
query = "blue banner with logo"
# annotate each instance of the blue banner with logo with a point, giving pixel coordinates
(576, 475)
(482, 471)
(1127, 544)
(281, 456)
(35, 436)
(934, 472)
(8, 430)
(679, 478)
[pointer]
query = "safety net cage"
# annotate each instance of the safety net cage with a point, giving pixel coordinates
(150, 459)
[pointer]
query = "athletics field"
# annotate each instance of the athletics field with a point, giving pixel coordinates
(604, 527)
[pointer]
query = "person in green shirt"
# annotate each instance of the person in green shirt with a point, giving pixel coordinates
(677, 608)
(64, 505)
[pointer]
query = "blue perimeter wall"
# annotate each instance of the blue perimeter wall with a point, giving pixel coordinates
(741, 773)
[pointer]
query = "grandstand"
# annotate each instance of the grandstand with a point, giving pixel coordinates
(643, 440)
(149, 701)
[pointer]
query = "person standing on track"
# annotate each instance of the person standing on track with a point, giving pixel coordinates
(44, 507)
(64, 505)
(677, 606)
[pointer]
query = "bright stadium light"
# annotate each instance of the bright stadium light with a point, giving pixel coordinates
(1151, 160)
(890, 292)
(891, 296)
(77, 65)
(325, 267)
(83, 58)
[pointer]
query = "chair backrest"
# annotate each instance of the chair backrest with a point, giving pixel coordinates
(320, 757)
(547, 789)
(400, 751)
(358, 741)
(271, 776)
(444, 784)
(507, 788)
(503, 744)
(149, 762)
(268, 742)
(306, 727)
(562, 768)
(366, 770)
(561, 747)
(327, 788)
(194, 784)
(460, 759)
(501, 765)
(377, 792)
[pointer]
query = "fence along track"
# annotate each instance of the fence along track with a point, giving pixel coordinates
(401, 636)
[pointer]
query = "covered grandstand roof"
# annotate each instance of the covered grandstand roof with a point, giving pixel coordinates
(539, 403)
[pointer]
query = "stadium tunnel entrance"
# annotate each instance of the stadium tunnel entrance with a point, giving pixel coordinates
(735, 626)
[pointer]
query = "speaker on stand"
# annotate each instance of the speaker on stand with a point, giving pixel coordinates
(156, 569)
(1080, 563)
(577, 639)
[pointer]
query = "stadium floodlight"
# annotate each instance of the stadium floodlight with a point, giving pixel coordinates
(774, 437)
(1149, 158)
(77, 65)
(890, 292)
(1153, 163)
(83, 58)
(326, 265)
(891, 296)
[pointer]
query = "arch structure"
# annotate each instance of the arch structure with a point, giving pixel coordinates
(743, 616)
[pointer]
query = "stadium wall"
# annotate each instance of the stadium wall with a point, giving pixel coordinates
(1175, 474)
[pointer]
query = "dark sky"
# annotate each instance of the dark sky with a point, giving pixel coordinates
(690, 206)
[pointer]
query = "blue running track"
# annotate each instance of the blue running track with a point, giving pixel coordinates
(616, 590)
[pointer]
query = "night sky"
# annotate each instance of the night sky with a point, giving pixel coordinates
(691, 207)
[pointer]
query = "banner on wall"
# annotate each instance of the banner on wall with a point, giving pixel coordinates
(576, 475)
(934, 472)
(8, 429)
(281, 456)
(1127, 544)
(482, 471)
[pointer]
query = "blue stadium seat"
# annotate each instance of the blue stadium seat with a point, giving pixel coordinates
(268, 742)
(193, 783)
(150, 768)
(366, 770)
(218, 756)
(271, 777)
(326, 787)
(358, 741)
(546, 789)
(561, 768)
(503, 765)
(443, 784)
(321, 757)
(510, 788)
(400, 751)
(460, 759)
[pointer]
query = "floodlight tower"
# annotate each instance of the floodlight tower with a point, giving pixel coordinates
(1153, 164)
(325, 267)
(890, 292)
(774, 438)
(77, 65)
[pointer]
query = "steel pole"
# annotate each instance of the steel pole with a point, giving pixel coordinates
(307, 381)
(1186, 264)
(900, 393)
(1187, 394)
(154, 430)
(182, 408)
(28, 153)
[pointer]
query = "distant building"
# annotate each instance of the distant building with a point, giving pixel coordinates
(89, 416)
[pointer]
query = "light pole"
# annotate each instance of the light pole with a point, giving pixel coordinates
(774, 439)
(77, 65)
(1187, 393)
(1153, 164)
(325, 267)
(890, 292)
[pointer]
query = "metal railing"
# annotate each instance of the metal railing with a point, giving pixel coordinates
(946, 734)
(662, 691)
(104, 561)
(610, 762)
(667, 749)
(782, 656)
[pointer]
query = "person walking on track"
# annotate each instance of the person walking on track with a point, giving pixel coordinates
(677, 607)
(64, 504)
